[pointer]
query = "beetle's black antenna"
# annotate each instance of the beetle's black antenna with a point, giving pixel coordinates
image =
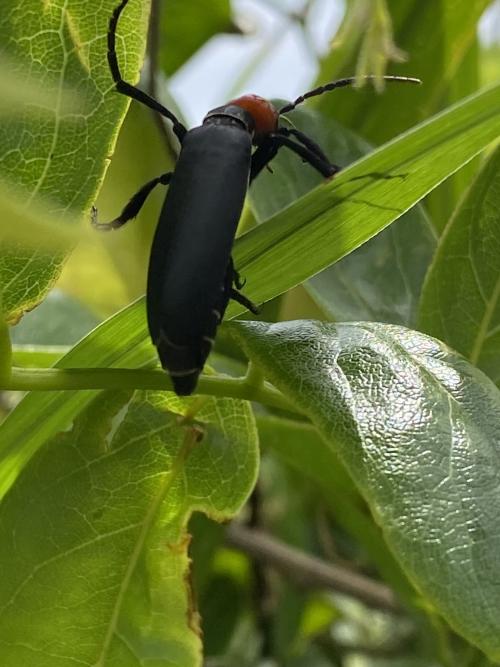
(126, 88)
(341, 83)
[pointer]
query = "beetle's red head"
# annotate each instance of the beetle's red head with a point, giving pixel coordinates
(264, 115)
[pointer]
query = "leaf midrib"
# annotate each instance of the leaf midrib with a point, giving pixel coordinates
(138, 547)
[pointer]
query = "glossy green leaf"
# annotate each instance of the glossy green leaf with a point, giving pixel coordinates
(98, 573)
(60, 156)
(340, 215)
(461, 299)
(186, 26)
(382, 279)
(418, 429)
(300, 446)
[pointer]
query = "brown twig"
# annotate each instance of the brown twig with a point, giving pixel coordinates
(392, 649)
(310, 571)
(262, 595)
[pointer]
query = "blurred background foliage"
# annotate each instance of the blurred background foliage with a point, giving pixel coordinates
(200, 54)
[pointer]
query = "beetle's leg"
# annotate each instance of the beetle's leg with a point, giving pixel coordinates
(243, 300)
(133, 207)
(307, 142)
(262, 156)
(324, 167)
(126, 88)
(234, 293)
(233, 277)
(237, 280)
(308, 150)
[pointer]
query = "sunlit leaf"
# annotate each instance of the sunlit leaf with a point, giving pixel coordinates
(337, 217)
(382, 279)
(98, 572)
(460, 302)
(120, 341)
(60, 155)
(117, 262)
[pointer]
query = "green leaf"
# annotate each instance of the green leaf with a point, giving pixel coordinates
(289, 248)
(60, 156)
(382, 279)
(59, 320)
(118, 262)
(19, 93)
(436, 37)
(378, 47)
(37, 356)
(99, 572)
(440, 41)
(34, 227)
(443, 200)
(299, 445)
(417, 427)
(120, 341)
(460, 301)
(25, 277)
(489, 63)
(195, 22)
(340, 215)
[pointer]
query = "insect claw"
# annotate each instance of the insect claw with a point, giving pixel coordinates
(104, 226)
(238, 281)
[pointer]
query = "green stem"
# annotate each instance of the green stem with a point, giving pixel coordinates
(64, 379)
(254, 376)
(5, 351)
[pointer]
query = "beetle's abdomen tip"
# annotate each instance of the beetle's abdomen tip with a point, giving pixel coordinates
(185, 386)
(182, 364)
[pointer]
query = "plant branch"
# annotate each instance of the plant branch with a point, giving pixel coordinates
(262, 594)
(63, 379)
(310, 571)
(390, 650)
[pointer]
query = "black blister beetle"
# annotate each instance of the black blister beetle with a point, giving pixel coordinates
(191, 276)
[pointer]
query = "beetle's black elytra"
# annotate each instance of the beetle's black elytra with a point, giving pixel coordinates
(191, 277)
